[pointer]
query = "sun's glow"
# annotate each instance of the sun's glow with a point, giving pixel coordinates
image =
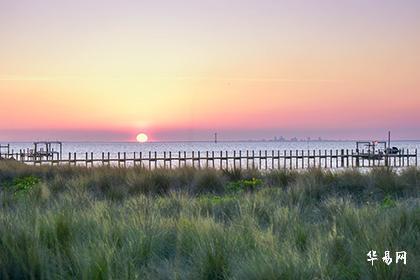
(142, 137)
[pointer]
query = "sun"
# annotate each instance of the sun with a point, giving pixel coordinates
(142, 138)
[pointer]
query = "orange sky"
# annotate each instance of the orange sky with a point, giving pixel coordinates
(307, 71)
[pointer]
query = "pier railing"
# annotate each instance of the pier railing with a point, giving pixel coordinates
(273, 159)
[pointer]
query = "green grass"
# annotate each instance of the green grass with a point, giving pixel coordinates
(111, 223)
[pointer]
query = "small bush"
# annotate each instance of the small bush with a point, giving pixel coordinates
(154, 182)
(388, 202)
(235, 174)
(281, 178)
(209, 181)
(244, 185)
(385, 180)
(22, 186)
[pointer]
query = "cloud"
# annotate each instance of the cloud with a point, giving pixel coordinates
(133, 78)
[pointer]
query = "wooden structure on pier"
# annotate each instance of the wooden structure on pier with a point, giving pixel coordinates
(4, 150)
(46, 149)
(42, 151)
(264, 160)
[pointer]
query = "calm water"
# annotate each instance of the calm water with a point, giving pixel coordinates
(160, 147)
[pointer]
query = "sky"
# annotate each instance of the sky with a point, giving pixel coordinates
(97, 70)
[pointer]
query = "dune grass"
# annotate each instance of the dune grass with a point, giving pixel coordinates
(111, 223)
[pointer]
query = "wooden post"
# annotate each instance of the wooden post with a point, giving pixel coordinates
(331, 158)
(319, 159)
(164, 159)
(309, 157)
(213, 159)
(272, 159)
(240, 159)
(404, 157)
(302, 160)
(247, 159)
(408, 157)
(227, 160)
(284, 159)
(357, 158)
(325, 159)
(150, 160)
(342, 158)
(401, 158)
(347, 158)
(265, 159)
(140, 159)
(315, 157)
(156, 160)
(290, 159)
(336, 158)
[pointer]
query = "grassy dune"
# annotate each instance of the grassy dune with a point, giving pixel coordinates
(110, 223)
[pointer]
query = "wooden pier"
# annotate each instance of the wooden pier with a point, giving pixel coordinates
(263, 160)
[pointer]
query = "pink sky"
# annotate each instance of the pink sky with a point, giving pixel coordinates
(182, 70)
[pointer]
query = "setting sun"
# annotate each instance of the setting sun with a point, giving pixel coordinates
(142, 138)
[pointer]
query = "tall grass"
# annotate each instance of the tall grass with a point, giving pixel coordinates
(111, 223)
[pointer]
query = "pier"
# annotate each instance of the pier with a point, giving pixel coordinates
(262, 159)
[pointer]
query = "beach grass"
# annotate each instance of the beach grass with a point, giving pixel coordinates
(131, 223)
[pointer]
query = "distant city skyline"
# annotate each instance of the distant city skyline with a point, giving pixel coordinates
(182, 70)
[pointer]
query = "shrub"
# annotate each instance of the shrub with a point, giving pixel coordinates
(157, 182)
(388, 202)
(208, 181)
(281, 178)
(244, 185)
(22, 186)
(385, 180)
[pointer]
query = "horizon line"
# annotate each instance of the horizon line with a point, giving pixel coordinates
(212, 141)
